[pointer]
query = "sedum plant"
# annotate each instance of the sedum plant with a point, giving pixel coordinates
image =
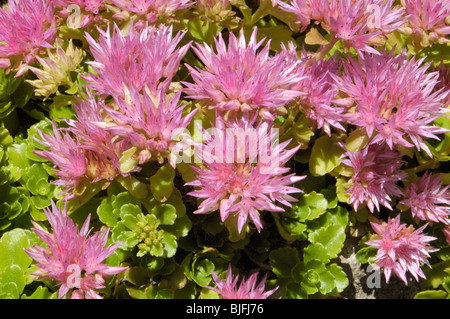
(223, 149)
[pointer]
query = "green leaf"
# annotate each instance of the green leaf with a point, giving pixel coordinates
(12, 252)
(203, 30)
(356, 140)
(340, 278)
(12, 282)
(8, 84)
(170, 245)
(366, 254)
(332, 237)
(283, 260)
(431, 294)
(181, 227)
(16, 155)
(36, 179)
(165, 213)
(278, 34)
(310, 206)
(161, 184)
(128, 161)
(325, 155)
(290, 228)
(316, 251)
(314, 37)
(129, 214)
(295, 291)
(42, 293)
(106, 213)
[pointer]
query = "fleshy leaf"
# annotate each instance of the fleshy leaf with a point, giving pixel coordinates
(161, 184)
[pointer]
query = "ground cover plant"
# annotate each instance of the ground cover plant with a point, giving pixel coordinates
(204, 149)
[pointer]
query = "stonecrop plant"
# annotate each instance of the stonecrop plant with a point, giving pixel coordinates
(224, 149)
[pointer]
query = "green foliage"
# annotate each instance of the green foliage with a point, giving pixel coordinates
(325, 155)
(152, 227)
(14, 262)
(170, 252)
(324, 227)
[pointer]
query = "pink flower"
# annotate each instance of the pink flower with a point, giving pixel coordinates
(149, 57)
(376, 170)
(428, 200)
(446, 232)
(151, 10)
(153, 124)
(304, 10)
(68, 158)
(83, 153)
(319, 94)
(101, 148)
(28, 27)
(88, 11)
(444, 82)
(395, 99)
(401, 249)
(72, 258)
(241, 173)
(243, 79)
(354, 22)
(247, 288)
(427, 19)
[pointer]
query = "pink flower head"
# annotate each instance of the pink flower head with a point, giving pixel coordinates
(88, 11)
(243, 79)
(101, 148)
(149, 57)
(28, 27)
(319, 91)
(83, 153)
(355, 22)
(428, 200)
(72, 258)
(151, 10)
(153, 124)
(395, 98)
(68, 158)
(242, 171)
(401, 249)
(247, 288)
(444, 82)
(376, 170)
(428, 18)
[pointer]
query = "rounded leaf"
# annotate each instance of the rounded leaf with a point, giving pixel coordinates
(161, 184)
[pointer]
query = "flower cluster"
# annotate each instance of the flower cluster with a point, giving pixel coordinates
(247, 289)
(149, 10)
(401, 249)
(428, 200)
(376, 171)
(215, 133)
(72, 257)
(28, 27)
(427, 20)
(146, 58)
(241, 79)
(395, 101)
(355, 22)
(242, 172)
